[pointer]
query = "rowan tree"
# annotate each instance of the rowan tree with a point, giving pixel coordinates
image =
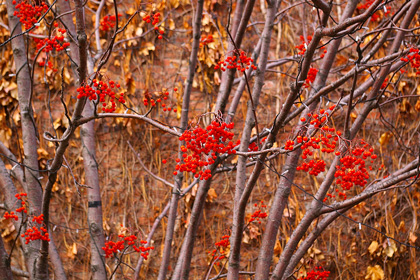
(209, 139)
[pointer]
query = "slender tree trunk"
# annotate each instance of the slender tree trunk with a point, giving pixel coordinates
(289, 169)
(184, 123)
(250, 122)
(29, 132)
(94, 218)
(5, 270)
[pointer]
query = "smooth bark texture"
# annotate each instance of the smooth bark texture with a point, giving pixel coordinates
(289, 169)
(94, 218)
(250, 122)
(184, 124)
(5, 269)
(237, 35)
(41, 271)
(32, 184)
(316, 205)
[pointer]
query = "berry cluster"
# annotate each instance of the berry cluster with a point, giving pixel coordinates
(206, 39)
(237, 61)
(377, 15)
(21, 209)
(289, 145)
(221, 247)
(324, 52)
(103, 90)
(34, 233)
(28, 14)
(202, 146)
(259, 213)
(414, 59)
(353, 171)
(326, 142)
(253, 147)
(154, 19)
(50, 65)
(303, 46)
(55, 43)
(119, 246)
(311, 77)
(316, 274)
(108, 22)
(385, 83)
(159, 98)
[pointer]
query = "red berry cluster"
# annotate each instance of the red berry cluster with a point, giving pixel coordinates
(103, 90)
(253, 147)
(259, 213)
(119, 246)
(303, 46)
(202, 146)
(237, 61)
(384, 83)
(10, 215)
(414, 59)
(316, 274)
(326, 142)
(34, 233)
(21, 209)
(311, 77)
(108, 22)
(28, 14)
(376, 16)
(50, 65)
(55, 43)
(324, 52)
(289, 145)
(221, 247)
(206, 39)
(158, 98)
(352, 171)
(154, 19)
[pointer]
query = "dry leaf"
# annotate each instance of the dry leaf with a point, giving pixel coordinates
(72, 251)
(391, 248)
(42, 153)
(375, 273)
(211, 195)
(373, 247)
(384, 139)
(146, 48)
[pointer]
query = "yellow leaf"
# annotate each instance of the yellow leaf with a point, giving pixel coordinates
(57, 123)
(130, 11)
(384, 139)
(417, 106)
(5, 136)
(139, 31)
(373, 247)
(412, 238)
(146, 48)
(391, 249)
(67, 76)
(42, 153)
(171, 24)
(174, 3)
(72, 251)
(211, 195)
(375, 273)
